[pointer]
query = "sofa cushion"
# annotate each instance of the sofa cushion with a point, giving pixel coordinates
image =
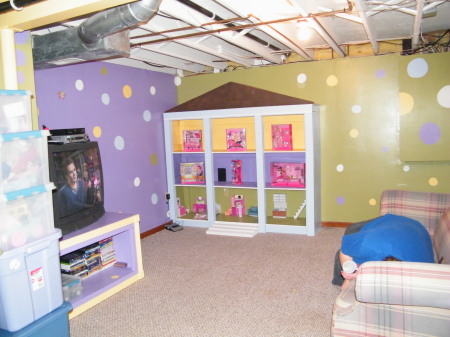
(426, 208)
(441, 239)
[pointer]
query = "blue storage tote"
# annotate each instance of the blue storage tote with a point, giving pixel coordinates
(30, 282)
(54, 324)
(15, 110)
(24, 160)
(25, 216)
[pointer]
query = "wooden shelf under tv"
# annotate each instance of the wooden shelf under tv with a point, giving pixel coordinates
(124, 229)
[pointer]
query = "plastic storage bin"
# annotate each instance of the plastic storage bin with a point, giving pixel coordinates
(72, 286)
(24, 159)
(54, 324)
(15, 110)
(30, 282)
(25, 216)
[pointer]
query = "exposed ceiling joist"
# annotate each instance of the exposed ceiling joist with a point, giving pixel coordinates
(368, 24)
(201, 36)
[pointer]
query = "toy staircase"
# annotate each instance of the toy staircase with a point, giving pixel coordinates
(247, 230)
(300, 209)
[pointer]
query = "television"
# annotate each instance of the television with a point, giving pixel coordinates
(76, 170)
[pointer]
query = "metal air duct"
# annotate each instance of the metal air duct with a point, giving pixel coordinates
(104, 35)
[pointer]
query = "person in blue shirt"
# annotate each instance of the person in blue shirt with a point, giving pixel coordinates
(73, 195)
(389, 237)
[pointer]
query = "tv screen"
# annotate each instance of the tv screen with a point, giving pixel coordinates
(76, 170)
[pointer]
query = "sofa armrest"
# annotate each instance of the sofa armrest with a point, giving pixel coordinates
(404, 283)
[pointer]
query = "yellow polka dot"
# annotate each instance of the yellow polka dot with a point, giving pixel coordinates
(154, 159)
(372, 202)
(354, 133)
(97, 132)
(104, 71)
(127, 92)
(406, 103)
(332, 80)
(433, 181)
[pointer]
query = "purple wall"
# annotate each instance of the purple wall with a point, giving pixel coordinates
(121, 108)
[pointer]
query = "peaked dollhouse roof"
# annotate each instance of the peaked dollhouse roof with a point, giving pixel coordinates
(234, 95)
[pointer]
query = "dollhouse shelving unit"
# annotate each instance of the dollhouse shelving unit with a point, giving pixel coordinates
(234, 106)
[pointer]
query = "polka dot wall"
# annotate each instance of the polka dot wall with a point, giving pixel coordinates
(365, 140)
(121, 108)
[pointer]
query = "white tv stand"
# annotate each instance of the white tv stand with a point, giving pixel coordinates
(124, 228)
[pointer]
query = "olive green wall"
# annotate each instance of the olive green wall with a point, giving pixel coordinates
(362, 101)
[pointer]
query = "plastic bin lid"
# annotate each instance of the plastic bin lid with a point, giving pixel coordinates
(15, 92)
(10, 136)
(27, 192)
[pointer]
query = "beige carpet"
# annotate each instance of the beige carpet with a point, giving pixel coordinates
(271, 285)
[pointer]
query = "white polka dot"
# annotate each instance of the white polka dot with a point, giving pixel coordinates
(154, 198)
(443, 96)
(417, 68)
(137, 181)
(301, 78)
(147, 116)
(152, 90)
(79, 85)
(340, 168)
(356, 109)
(105, 99)
(406, 168)
(177, 80)
(119, 143)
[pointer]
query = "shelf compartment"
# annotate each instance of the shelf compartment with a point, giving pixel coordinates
(224, 160)
(298, 126)
(188, 197)
(223, 198)
(294, 200)
(124, 229)
(179, 126)
(219, 128)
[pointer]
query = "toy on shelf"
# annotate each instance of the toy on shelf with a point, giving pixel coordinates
(192, 140)
(237, 206)
(279, 206)
(287, 174)
(300, 209)
(199, 206)
(236, 172)
(236, 139)
(282, 137)
(253, 211)
(192, 173)
(181, 210)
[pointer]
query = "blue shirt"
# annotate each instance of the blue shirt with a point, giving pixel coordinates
(389, 235)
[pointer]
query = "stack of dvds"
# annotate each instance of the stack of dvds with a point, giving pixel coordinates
(73, 264)
(91, 255)
(107, 253)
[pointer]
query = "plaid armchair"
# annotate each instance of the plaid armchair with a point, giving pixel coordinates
(402, 298)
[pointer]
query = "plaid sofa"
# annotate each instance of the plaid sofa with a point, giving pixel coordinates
(391, 298)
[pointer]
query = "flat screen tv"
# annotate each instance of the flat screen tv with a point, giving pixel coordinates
(76, 170)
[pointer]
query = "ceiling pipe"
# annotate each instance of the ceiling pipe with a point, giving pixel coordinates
(8, 6)
(116, 19)
(217, 18)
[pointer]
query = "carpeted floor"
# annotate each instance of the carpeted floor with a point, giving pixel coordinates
(199, 285)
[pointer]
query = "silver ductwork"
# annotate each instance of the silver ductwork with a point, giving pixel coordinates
(104, 35)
